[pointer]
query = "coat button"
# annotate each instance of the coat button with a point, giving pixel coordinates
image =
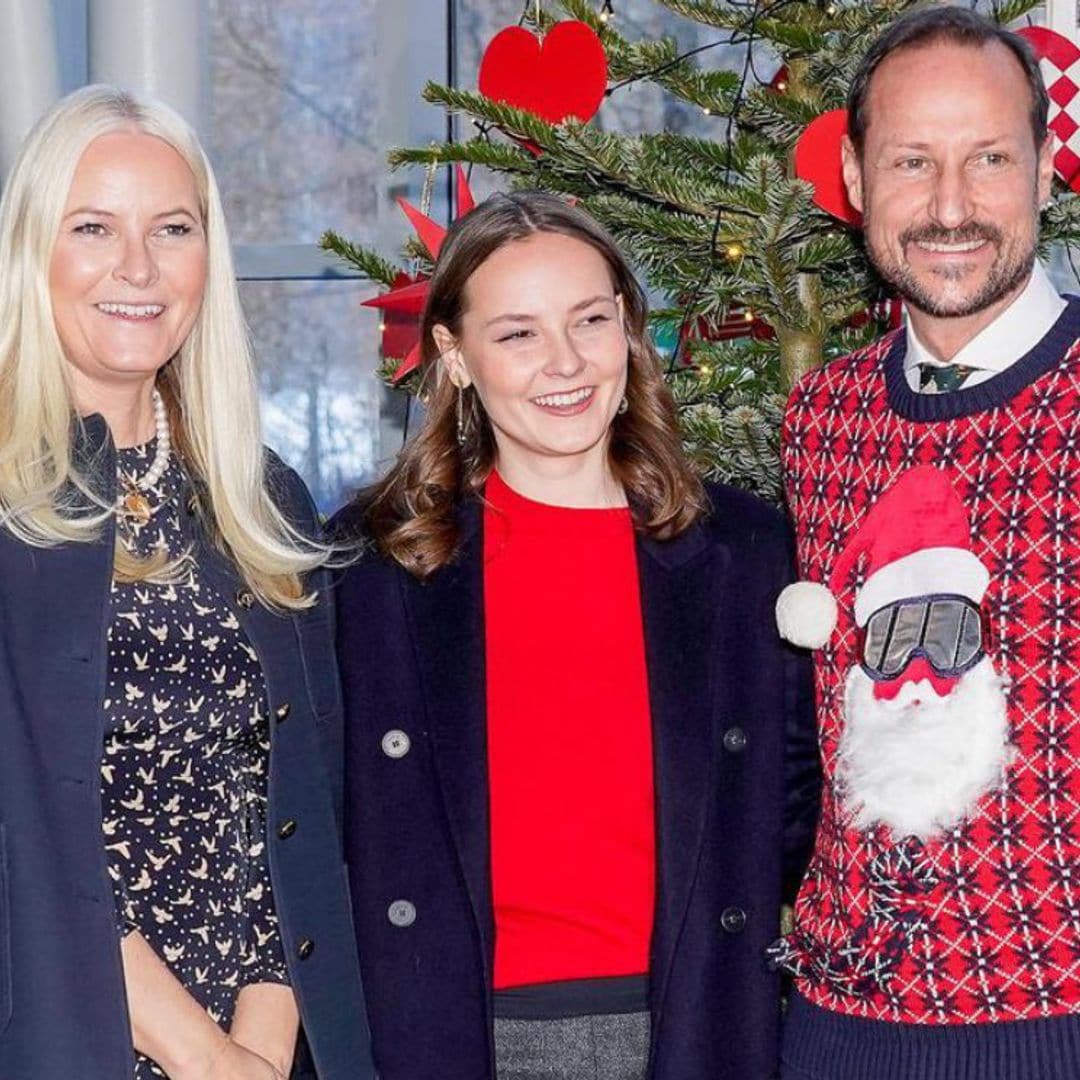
(734, 740)
(282, 711)
(401, 913)
(286, 829)
(396, 744)
(305, 948)
(733, 920)
(245, 598)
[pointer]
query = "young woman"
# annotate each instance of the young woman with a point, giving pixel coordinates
(172, 900)
(570, 725)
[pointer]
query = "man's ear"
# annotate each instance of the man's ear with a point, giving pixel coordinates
(451, 361)
(1045, 179)
(852, 171)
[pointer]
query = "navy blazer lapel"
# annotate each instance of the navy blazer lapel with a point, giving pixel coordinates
(679, 582)
(447, 623)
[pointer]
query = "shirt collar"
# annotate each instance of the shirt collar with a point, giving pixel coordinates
(1014, 333)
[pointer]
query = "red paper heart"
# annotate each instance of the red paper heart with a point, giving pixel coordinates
(563, 76)
(817, 159)
(1058, 56)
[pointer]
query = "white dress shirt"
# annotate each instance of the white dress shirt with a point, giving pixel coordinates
(1014, 333)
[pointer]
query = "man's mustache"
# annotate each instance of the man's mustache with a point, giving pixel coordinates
(965, 234)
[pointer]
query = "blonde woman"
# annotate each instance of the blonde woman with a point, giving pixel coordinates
(172, 899)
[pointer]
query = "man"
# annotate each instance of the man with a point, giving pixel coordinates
(935, 483)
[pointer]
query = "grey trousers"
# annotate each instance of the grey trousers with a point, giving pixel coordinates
(575, 1048)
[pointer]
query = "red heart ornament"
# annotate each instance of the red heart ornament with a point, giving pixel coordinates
(1059, 59)
(564, 75)
(818, 160)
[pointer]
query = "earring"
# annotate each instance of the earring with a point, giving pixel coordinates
(624, 406)
(462, 434)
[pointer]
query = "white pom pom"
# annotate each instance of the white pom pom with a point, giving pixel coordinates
(806, 614)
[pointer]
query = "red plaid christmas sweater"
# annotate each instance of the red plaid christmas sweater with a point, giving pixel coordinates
(982, 925)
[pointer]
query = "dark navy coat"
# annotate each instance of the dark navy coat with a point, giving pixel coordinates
(62, 1003)
(733, 742)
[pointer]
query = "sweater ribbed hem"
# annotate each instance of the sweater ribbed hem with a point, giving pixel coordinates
(995, 392)
(830, 1046)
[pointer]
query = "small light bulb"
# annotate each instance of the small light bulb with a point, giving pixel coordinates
(748, 315)
(707, 111)
(704, 370)
(605, 16)
(734, 251)
(781, 86)
(830, 10)
(382, 326)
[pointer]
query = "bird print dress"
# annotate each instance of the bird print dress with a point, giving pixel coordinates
(184, 769)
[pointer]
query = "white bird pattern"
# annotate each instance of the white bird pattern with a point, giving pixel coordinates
(184, 815)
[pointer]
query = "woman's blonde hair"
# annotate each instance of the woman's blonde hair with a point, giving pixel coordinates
(411, 513)
(46, 496)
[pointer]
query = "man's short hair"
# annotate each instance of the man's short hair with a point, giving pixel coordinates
(958, 26)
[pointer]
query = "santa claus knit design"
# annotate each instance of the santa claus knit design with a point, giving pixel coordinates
(983, 924)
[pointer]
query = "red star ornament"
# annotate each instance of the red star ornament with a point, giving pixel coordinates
(1059, 59)
(403, 305)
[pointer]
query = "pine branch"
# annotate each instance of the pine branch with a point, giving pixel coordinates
(498, 156)
(825, 250)
(1008, 11)
(514, 121)
(780, 118)
(369, 263)
(714, 13)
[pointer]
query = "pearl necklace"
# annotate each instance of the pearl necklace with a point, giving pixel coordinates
(133, 502)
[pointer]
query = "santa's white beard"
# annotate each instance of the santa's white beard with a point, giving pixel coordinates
(921, 768)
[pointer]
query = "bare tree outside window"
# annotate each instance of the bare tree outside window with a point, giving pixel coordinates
(305, 98)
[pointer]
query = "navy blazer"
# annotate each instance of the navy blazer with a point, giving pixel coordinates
(62, 1002)
(733, 743)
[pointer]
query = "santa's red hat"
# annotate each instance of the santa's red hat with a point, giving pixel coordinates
(917, 542)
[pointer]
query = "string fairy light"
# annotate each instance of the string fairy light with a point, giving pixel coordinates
(607, 12)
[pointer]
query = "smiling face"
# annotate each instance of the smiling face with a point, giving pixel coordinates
(542, 341)
(128, 269)
(950, 180)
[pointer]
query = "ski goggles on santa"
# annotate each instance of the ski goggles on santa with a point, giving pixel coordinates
(950, 632)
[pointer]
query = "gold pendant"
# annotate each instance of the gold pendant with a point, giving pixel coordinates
(136, 505)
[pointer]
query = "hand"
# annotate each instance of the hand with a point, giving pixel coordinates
(234, 1062)
(239, 1063)
(247, 1065)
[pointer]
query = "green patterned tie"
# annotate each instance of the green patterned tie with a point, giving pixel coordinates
(940, 380)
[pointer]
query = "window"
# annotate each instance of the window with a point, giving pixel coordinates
(305, 98)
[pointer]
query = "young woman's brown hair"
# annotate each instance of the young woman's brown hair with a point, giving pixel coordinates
(410, 514)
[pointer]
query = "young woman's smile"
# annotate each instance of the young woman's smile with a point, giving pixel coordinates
(542, 343)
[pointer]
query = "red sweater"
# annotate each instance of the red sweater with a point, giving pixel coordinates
(981, 925)
(569, 742)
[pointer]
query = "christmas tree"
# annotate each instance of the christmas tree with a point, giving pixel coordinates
(759, 284)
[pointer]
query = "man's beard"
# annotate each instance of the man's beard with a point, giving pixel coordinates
(922, 768)
(1008, 273)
